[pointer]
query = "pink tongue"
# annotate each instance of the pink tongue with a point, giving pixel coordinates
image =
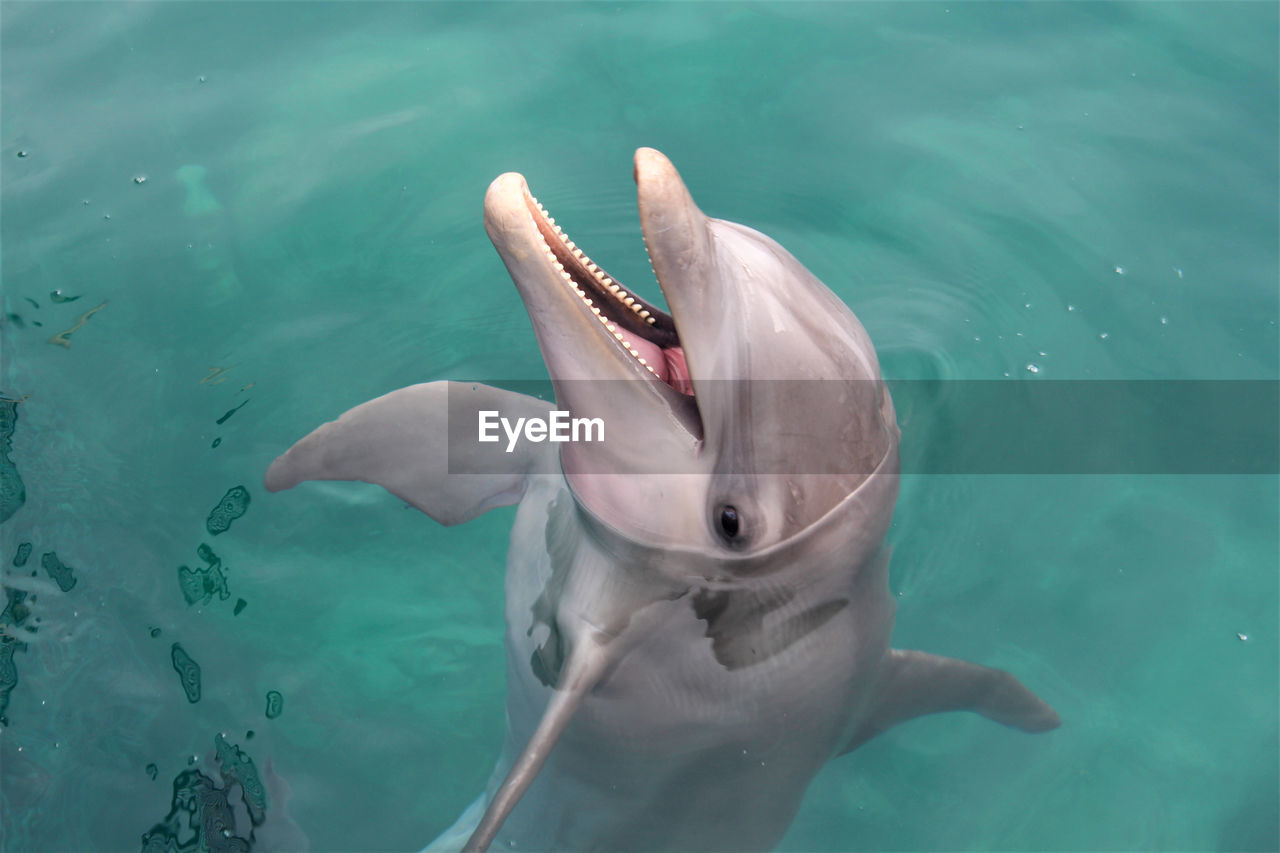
(677, 372)
(651, 353)
(667, 364)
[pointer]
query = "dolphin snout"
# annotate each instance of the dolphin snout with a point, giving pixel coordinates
(504, 203)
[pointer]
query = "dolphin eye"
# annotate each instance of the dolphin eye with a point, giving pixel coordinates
(730, 521)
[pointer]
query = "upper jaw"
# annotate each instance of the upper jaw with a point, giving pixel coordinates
(675, 230)
(682, 245)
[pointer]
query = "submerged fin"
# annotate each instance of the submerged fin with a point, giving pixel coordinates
(421, 444)
(915, 683)
(582, 671)
(452, 839)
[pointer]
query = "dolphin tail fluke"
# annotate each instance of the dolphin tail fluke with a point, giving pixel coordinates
(583, 669)
(915, 683)
(421, 443)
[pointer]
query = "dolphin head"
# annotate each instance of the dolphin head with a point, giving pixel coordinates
(734, 423)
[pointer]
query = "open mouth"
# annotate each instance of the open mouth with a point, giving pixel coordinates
(640, 330)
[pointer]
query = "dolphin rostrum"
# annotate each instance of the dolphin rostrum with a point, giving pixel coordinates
(698, 611)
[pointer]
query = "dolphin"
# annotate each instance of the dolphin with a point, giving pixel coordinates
(697, 612)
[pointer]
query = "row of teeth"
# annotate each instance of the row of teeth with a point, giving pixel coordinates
(609, 284)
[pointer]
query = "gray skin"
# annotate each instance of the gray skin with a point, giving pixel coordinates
(672, 684)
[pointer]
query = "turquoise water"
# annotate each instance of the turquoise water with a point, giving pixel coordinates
(278, 205)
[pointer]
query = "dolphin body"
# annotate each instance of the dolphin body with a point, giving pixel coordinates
(697, 609)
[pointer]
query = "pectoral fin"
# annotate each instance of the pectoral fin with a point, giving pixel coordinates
(915, 683)
(581, 673)
(421, 444)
